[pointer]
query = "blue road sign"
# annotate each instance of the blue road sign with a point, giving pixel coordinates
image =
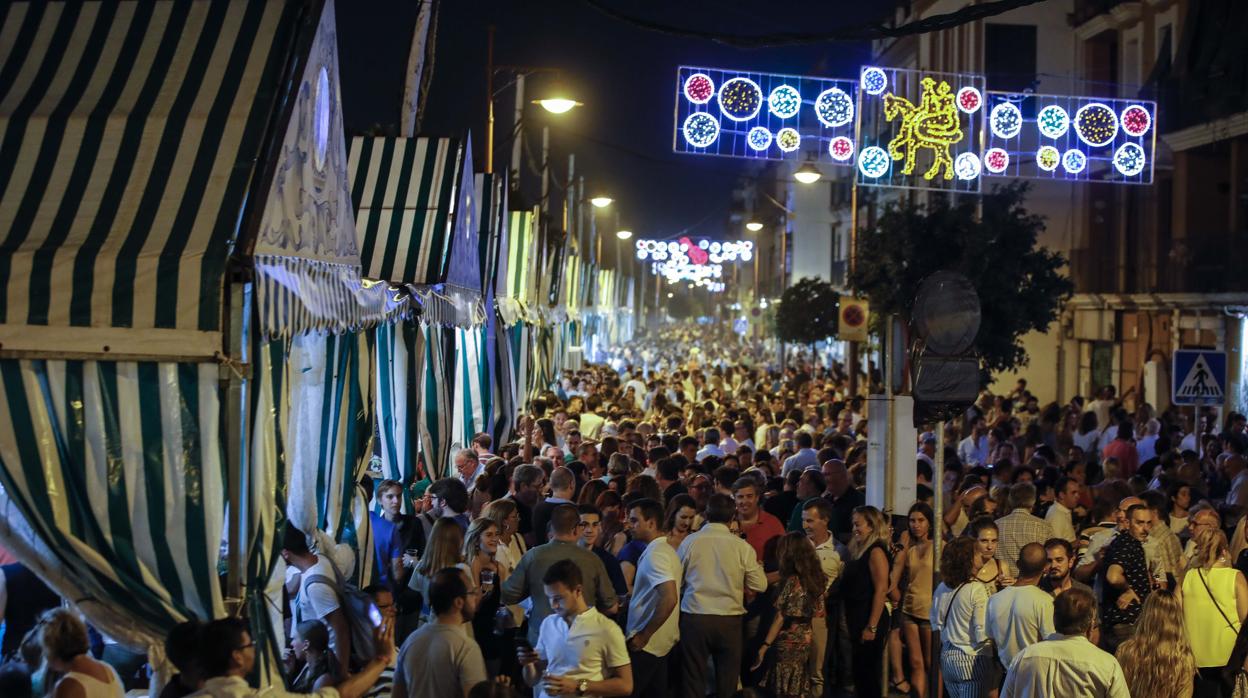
(1198, 378)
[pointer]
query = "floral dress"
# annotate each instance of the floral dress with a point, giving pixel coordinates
(789, 674)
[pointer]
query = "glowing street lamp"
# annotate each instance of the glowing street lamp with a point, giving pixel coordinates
(753, 226)
(601, 201)
(557, 101)
(808, 173)
(624, 234)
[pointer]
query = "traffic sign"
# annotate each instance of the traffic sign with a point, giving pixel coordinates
(1199, 377)
(855, 313)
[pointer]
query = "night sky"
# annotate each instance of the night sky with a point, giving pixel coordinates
(625, 75)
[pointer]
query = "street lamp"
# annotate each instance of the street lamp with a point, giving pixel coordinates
(624, 234)
(808, 173)
(601, 201)
(556, 102)
(753, 226)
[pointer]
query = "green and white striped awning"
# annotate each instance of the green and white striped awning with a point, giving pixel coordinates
(129, 134)
(413, 201)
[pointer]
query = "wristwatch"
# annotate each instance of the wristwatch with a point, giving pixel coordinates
(582, 686)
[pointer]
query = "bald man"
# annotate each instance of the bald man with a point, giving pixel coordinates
(1021, 615)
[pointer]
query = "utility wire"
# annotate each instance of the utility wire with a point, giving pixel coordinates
(861, 32)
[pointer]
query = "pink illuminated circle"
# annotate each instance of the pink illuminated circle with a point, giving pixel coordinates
(841, 148)
(969, 100)
(1135, 120)
(996, 160)
(699, 88)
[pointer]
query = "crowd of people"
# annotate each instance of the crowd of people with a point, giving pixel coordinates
(682, 522)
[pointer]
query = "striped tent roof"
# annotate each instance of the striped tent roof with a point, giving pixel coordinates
(415, 215)
(128, 135)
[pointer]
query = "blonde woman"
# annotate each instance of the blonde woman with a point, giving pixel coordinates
(511, 545)
(446, 539)
(1157, 661)
(481, 546)
(1215, 603)
(863, 587)
(65, 648)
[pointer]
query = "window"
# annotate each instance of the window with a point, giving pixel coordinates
(1010, 56)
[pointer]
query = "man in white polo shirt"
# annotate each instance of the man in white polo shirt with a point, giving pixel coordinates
(653, 621)
(579, 652)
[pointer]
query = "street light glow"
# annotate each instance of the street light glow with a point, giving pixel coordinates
(669, 294)
(624, 234)
(753, 226)
(557, 105)
(601, 201)
(808, 174)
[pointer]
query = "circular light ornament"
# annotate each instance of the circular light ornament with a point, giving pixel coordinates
(703, 244)
(701, 129)
(966, 166)
(834, 108)
(1005, 121)
(1047, 158)
(969, 100)
(740, 99)
(1129, 159)
(1074, 161)
(873, 162)
(641, 255)
(1136, 120)
(1096, 124)
(841, 148)
(747, 256)
(788, 139)
(1053, 121)
(996, 160)
(699, 88)
(784, 101)
(874, 81)
(758, 139)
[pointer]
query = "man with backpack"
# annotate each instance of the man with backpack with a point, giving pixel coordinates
(319, 597)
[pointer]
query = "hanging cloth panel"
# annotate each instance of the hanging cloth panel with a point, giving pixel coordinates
(113, 488)
(128, 138)
(400, 362)
(473, 395)
(438, 346)
(520, 337)
(506, 398)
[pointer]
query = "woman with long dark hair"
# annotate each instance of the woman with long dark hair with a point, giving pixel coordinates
(966, 658)
(799, 600)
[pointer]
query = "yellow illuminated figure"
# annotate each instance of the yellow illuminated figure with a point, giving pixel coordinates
(934, 124)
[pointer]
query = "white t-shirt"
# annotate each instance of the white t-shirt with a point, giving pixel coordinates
(1019, 616)
(658, 565)
(583, 650)
(963, 616)
(317, 600)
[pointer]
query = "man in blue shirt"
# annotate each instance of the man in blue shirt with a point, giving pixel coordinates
(387, 535)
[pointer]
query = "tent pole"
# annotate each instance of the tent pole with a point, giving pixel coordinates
(234, 372)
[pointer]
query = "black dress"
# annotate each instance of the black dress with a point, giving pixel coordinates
(857, 592)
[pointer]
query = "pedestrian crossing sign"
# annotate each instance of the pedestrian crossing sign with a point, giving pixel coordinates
(1199, 377)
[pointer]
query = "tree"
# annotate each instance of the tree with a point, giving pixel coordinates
(683, 306)
(1020, 286)
(807, 312)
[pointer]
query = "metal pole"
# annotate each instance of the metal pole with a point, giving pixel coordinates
(489, 100)
(938, 537)
(546, 170)
(517, 141)
(852, 360)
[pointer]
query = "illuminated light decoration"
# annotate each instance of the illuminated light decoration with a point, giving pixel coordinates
(1053, 121)
(1073, 161)
(1047, 158)
(873, 162)
(874, 81)
(1005, 121)
(784, 101)
(1135, 120)
(788, 139)
(758, 138)
(1129, 159)
(701, 129)
(699, 88)
(641, 255)
(996, 160)
(969, 100)
(841, 148)
(834, 108)
(740, 99)
(704, 244)
(1096, 124)
(966, 166)
(933, 124)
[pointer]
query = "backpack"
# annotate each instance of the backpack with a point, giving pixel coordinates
(359, 610)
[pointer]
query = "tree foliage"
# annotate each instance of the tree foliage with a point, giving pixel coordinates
(1020, 286)
(683, 306)
(807, 312)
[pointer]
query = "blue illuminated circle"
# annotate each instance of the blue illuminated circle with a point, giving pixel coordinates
(841, 148)
(1053, 121)
(1074, 161)
(966, 166)
(1047, 158)
(874, 81)
(701, 129)
(1005, 121)
(1129, 159)
(1096, 124)
(740, 99)
(784, 101)
(788, 139)
(873, 162)
(758, 138)
(834, 107)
